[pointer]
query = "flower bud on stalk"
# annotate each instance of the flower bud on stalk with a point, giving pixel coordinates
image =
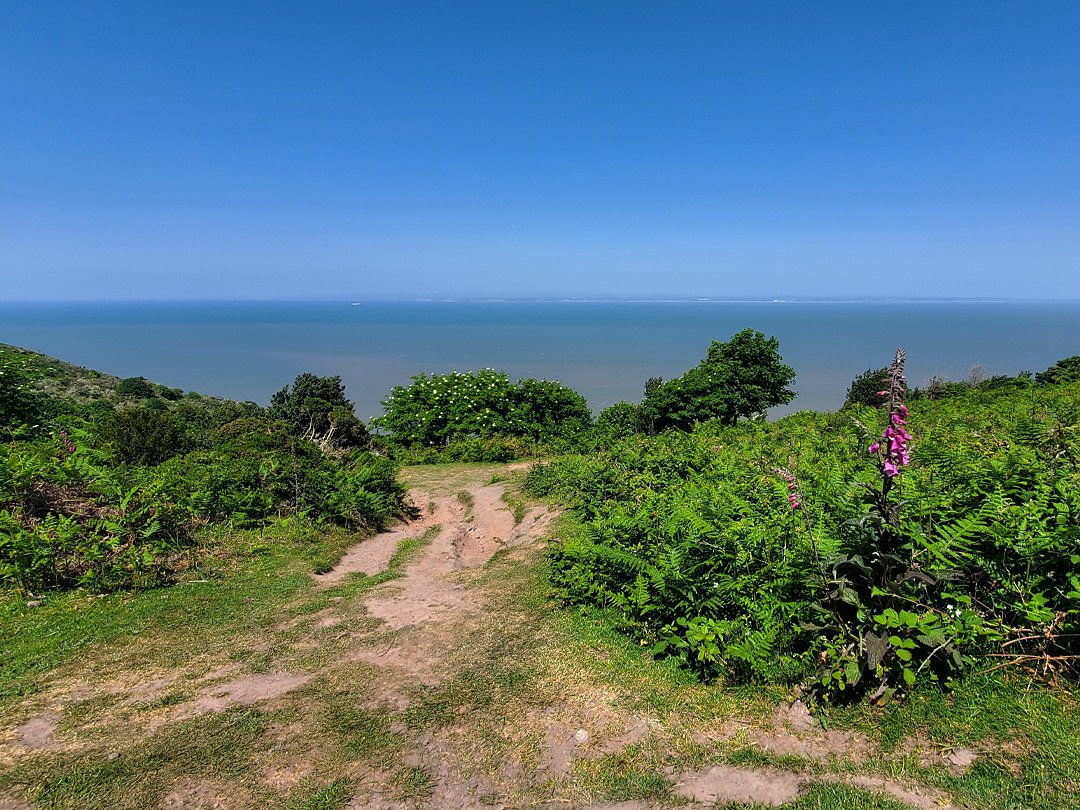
(893, 447)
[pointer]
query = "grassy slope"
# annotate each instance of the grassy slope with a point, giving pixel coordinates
(66, 381)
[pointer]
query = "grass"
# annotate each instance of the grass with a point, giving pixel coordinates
(331, 797)
(440, 480)
(518, 507)
(213, 746)
(264, 570)
(635, 772)
(363, 733)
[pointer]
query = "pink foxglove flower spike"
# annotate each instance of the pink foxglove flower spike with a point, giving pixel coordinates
(893, 447)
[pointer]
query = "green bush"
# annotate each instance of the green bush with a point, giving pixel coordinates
(101, 508)
(141, 435)
(74, 519)
(135, 388)
(437, 410)
(740, 378)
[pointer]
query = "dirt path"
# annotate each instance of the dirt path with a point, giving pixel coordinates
(476, 703)
(474, 525)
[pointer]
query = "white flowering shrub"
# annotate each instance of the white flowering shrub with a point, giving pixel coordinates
(436, 409)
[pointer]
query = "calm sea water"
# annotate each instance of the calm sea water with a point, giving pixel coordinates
(248, 350)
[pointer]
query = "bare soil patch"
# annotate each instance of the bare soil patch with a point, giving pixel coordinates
(726, 783)
(39, 731)
(471, 534)
(794, 733)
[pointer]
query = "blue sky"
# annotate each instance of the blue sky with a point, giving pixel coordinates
(273, 149)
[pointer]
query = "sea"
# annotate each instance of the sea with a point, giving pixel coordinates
(605, 350)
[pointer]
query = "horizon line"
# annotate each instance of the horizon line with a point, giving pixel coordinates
(561, 299)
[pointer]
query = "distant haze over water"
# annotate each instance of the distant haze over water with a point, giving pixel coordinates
(603, 349)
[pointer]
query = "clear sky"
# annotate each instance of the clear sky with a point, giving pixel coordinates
(279, 149)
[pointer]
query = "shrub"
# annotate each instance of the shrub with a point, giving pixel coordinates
(141, 435)
(740, 378)
(442, 408)
(135, 388)
(884, 573)
(495, 449)
(68, 516)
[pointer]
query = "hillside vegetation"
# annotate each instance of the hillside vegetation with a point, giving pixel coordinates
(195, 609)
(792, 551)
(858, 552)
(111, 496)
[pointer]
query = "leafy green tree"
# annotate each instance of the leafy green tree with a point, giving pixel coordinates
(742, 377)
(647, 411)
(316, 409)
(1063, 371)
(544, 409)
(866, 388)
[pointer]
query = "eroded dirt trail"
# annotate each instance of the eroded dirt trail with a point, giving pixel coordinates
(471, 531)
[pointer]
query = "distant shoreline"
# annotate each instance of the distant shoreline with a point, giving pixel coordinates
(361, 300)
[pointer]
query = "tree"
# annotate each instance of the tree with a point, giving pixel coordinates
(865, 389)
(315, 408)
(1063, 371)
(742, 377)
(546, 409)
(647, 412)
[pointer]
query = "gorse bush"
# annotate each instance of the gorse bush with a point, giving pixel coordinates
(136, 388)
(141, 435)
(836, 549)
